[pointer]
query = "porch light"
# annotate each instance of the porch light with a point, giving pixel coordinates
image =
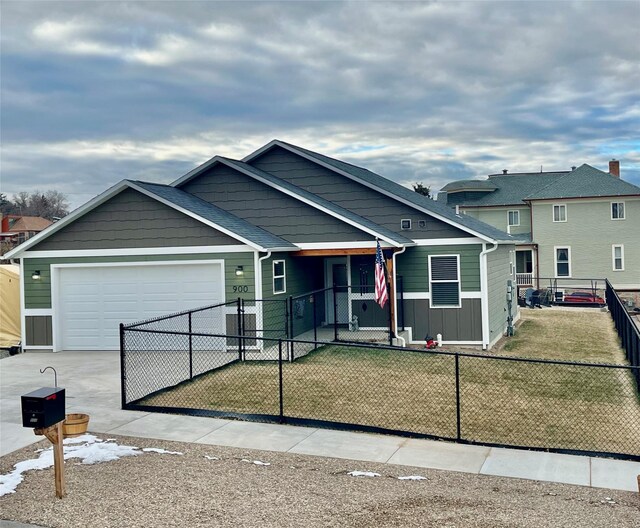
(239, 271)
(36, 275)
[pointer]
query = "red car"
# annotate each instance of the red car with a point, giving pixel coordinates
(583, 297)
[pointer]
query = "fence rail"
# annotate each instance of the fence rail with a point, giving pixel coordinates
(469, 398)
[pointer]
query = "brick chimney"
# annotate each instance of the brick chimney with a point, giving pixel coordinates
(614, 168)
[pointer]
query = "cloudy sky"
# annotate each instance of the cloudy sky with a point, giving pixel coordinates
(94, 92)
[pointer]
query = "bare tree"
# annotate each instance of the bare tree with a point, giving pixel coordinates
(51, 204)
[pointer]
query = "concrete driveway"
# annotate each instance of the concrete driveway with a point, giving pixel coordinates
(91, 380)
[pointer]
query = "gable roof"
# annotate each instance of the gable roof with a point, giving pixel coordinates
(198, 209)
(30, 223)
(585, 182)
(394, 190)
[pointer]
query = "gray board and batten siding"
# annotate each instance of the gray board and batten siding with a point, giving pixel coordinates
(132, 220)
(347, 193)
(262, 205)
(38, 331)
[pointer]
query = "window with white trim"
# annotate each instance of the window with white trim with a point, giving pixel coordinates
(563, 261)
(405, 224)
(560, 213)
(617, 256)
(513, 218)
(279, 277)
(444, 281)
(617, 210)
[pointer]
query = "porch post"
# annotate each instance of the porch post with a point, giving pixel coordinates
(392, 299)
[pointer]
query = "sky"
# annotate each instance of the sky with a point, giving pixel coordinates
(96, 92)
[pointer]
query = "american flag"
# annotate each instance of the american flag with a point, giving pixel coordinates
(381, 281)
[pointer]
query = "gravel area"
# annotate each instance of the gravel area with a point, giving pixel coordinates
(159, 490)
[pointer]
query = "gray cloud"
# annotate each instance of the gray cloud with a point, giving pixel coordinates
(96, 91)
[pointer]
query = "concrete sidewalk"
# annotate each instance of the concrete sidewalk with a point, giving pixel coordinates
(92, 386)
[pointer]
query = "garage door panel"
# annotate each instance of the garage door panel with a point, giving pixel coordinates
(93, 301)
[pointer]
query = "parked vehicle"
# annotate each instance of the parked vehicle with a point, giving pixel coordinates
(583, 297)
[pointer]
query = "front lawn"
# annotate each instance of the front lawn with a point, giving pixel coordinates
(502, 401)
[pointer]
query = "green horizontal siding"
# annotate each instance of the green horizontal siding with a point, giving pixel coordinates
(303, 274)
(38, 292)
(413, 266)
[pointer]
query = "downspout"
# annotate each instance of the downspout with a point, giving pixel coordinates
(395, 295)
(259, 295)
(484, 294)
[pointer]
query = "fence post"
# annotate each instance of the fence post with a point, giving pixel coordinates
(291, 325)
(335, 313)
(314, 298)
(280, 391)
(239, 328)
(123, 376)
(190, 348)
(458, 431)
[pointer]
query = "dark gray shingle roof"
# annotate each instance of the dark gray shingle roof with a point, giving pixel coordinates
(326, 204)
(256, 235)
(410, 196)
(585, 181)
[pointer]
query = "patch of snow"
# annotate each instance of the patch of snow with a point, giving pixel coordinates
(256, 462)
(413, 477)
(88, 448)
(161, 451)
(363, 474)
(211, 457)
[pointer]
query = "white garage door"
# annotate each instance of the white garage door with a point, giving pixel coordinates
(93, 301)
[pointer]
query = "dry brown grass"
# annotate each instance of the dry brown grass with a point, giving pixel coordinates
(502, 401)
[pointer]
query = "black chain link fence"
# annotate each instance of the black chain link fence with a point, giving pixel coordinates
(473, 398)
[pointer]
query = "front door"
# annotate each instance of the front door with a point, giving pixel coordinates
(336, 272)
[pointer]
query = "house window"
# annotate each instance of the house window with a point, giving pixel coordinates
(560, 213)
(444, 281)
(514, 218)
(563, 261)
(279, 279)
(405, 224)
(617, 210)
(617, 254)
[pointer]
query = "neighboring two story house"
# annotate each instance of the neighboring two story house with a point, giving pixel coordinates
(580, 224)
(283, 221)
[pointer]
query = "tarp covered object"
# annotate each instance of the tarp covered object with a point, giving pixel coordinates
(9, 306)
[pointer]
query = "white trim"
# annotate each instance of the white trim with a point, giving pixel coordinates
(553, 213)
(283, 276)
(427, 295)
(341, 245)
(445, 342)
(449, 241)
(38, 312)
(37, 347)
(484, 294)
(458, 281)
(555, 262)
(402, 220)
(184, 250)
(624, 211)
(259, 295)
(276, 142)
(613, 256)
(23, 330)
(55, 298)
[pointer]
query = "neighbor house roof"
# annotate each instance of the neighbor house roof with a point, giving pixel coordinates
(30, 223)
(412, 198)
(584, 182)
(229, 222)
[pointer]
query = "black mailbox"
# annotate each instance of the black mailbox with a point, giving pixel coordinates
(43, 407)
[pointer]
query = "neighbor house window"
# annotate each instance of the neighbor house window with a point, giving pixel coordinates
(617, 210)
(617, 253)
(563, 261)
(444, 281)
(514, 218)
(560, 213)
(279, 279)
(405, 224)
